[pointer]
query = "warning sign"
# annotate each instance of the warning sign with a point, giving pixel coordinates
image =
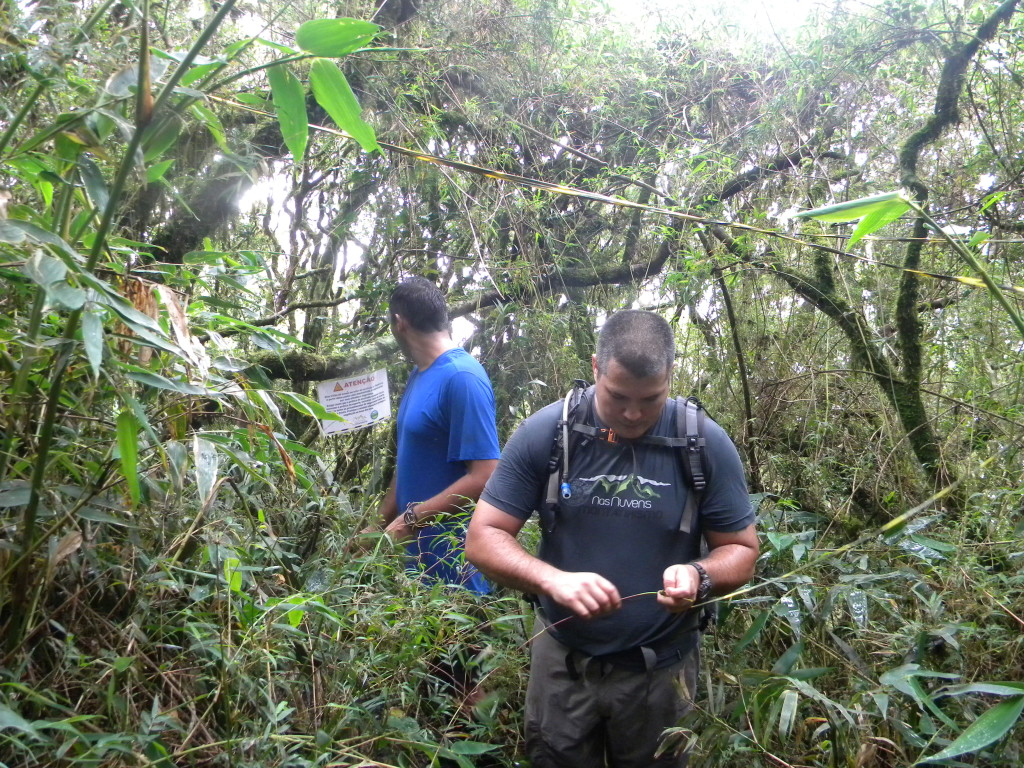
(361, 400)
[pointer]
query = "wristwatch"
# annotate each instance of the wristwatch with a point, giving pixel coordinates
(409, 516)
(704, 587)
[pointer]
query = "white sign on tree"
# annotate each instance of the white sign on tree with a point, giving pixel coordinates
(361, 400)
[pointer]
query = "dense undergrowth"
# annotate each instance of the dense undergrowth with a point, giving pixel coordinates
(179, 584)
(235, 650)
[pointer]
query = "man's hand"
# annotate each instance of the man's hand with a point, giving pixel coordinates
(586, 594)
(681, 583)
(399, 531)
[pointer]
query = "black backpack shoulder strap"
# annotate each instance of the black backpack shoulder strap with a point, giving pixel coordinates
(558, 486)
(690, 430)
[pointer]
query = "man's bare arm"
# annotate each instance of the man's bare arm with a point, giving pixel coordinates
(729, 563)
(491, 546)
(453, 499)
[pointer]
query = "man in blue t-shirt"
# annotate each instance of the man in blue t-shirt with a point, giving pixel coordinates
(615, 660)
(447, 440)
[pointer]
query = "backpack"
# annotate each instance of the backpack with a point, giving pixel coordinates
(689, 443)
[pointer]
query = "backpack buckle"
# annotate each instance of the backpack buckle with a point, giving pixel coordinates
(606, 434)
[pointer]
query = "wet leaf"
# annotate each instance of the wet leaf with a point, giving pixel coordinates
(334, 94)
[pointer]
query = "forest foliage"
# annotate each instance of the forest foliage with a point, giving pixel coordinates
(202, 211)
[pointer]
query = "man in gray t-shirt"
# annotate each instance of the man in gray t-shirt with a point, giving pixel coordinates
(615, 574)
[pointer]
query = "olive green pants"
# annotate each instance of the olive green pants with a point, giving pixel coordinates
(582, 712)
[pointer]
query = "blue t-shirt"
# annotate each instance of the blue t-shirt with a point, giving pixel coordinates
(446, 418)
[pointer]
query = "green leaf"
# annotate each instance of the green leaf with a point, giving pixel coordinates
(877, 219)
(290, 104)
(11, 719)
(857, 209)
(45, 270)
(128, 447)
(334, 37)
(334, 94)
(10, 232)
(206, 460)
(756, 627)
(95, 186)
(991, 726)
(471, 747)
(308, 406)
(92, 339)
(160, 136)
(232, 575)
(66, 295)
(15, 493)
(160, 382)
(787, 715)
(156, 172)
(213, 124)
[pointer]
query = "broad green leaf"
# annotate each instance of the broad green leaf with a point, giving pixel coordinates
(232, 575)
(160, 136)
(287, 49)
(92, 339)
(206, 459)
(991, 726)
(877, 219)
(334, 37)
(309, 406)
(176, 458)
(787, 715)
(857, 209)
(156, 172)
(66, 295)
(978, 238)
(11, 719)
(128, 447)
(1000, 688)
(15, 493)
(200, 71)
(213, 124)
(11, 233)
(290, 104)
(471, 747)
(755, 629)
(45, 270)
(95, 186)
(124, 82)
(788, 659)
(334, 94)
(161, 382)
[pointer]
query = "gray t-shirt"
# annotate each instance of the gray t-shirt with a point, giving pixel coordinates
(622, 520)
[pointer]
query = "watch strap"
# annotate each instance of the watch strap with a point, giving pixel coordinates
(409, 515)
(704, 585)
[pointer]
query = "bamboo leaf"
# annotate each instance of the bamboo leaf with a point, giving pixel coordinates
(787, 716)
(45, 270)
(334, 37)
(95, 186)
(290, 104)
(308, 406)
(877, 219)
(128, 448)
(11, 719)
(157, 171)
(206, 459)
(857, 209)
(92, 339)
(991, 726)
(334, 94)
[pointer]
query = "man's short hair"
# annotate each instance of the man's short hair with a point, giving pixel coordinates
(640, 341)
(421, 303)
